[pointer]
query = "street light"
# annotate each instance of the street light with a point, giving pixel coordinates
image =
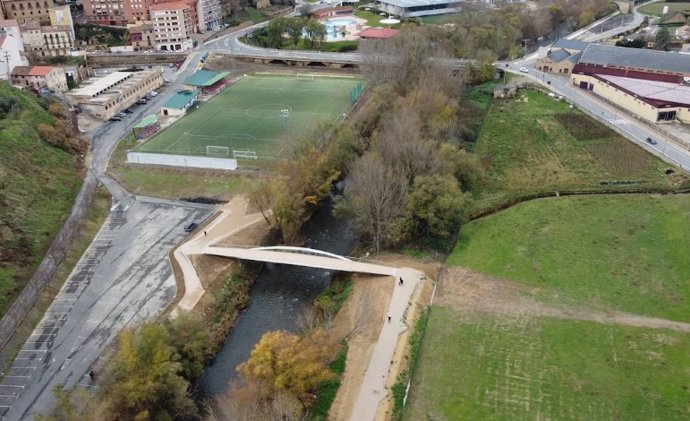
(285, 113)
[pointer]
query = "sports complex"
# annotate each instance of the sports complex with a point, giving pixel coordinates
(255, 117)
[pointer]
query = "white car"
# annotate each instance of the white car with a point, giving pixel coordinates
(524, 69)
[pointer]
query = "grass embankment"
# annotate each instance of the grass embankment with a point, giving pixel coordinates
(495, 368)
(656, 9)
(38, 185)
(174, 183)
(95, 216)
(534, 144)
(626, 252)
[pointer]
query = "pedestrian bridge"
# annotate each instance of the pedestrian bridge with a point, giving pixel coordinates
(300, 256)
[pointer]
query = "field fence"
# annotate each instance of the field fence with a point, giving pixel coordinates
(186, 161)
(46, 270)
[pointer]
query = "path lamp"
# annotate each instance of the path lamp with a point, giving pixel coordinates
(285, 113)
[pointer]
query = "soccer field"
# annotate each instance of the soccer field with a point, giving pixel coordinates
(249, 117)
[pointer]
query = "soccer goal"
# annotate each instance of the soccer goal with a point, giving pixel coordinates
(244, 154)
(304, 76)
(217, 151)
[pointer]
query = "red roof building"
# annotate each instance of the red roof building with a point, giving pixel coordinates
(378, 33)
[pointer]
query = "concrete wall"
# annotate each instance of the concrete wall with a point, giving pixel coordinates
(182, 161)
(628, 102)
(120, 59)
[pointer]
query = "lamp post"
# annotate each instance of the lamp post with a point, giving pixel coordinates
(285, 113)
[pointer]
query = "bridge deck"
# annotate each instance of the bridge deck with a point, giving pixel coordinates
(296, 259)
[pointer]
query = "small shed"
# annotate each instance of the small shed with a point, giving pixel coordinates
(179, 103)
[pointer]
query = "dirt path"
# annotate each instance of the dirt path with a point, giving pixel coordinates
(468, 291)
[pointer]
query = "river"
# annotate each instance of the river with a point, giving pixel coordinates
(279, 296)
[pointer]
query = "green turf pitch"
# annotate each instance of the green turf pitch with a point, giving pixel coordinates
(247, 116)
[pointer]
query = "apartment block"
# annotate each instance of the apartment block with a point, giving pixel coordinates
(173, 25)
(47, 40)
(106, 12)
(209, 12)
(28, 10)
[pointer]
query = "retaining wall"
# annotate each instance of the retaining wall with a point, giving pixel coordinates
(182, 161)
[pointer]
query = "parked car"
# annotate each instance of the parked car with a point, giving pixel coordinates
(191, 227)
(153, 93)
(524, 69)
(115, 118)
(651, 141)
(127, 111)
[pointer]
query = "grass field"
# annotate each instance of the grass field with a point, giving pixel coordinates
(626, 252)
(492, 367)
(535, 144)
(248, 116)
(656, 8)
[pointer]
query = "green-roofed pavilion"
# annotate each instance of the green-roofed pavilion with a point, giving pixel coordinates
(204, 78)
(146, 121)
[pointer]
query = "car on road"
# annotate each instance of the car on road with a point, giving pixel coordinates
(651, 141)
(115, 118)
(190, 227)
(524, 69)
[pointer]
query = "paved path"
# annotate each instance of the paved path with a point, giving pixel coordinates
(373, 388)
(233, 218)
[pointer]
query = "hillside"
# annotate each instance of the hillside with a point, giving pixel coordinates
(38, 184)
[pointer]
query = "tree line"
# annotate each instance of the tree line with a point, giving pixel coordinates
(285, 32)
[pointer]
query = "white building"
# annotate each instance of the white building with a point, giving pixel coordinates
(414, 8)
(173, 26)
(11, 48)
(209, 13)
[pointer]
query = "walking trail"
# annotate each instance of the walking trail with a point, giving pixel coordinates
(233, 218)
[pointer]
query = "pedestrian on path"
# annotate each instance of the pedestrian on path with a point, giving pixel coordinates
(401, 281)
(389, 319)
(92, 375)
(204, 233)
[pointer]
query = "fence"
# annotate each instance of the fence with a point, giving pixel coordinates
(46, 270)
(182, 161)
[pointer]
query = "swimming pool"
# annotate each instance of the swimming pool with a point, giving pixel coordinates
(336, 26)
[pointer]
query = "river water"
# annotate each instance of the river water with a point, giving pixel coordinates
(279, 297)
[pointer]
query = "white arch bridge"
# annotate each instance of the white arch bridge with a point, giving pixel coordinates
(300, 256)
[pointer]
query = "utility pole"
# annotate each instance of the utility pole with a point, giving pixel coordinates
(524, 43)
(7, 60)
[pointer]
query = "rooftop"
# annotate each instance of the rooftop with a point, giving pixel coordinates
(176, 5)
(605, 55)
(21, 70)
(559, 55)
(40, 70)
(205, 78)
(659, 92)
(146, 121)
(101, 84)
(379, 33)
(570, 44)
(413, 3)
(8, 22)
(180, 100)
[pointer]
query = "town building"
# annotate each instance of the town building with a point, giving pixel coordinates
(210, 15)
(179, 103)
(104, 97)
(62, 16)
(137, 10)
(561, 56)
(414, 8)
(173, 25)
(654, 85)
(47, 40)
(11, 48)
(28, 10)
(37, 77)
(142, 36)
(106, 12)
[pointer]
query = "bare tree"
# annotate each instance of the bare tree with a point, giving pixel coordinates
(376, 195)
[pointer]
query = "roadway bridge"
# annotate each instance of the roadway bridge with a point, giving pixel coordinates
(300, 256)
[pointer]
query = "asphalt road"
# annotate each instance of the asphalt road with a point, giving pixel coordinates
(123, 278)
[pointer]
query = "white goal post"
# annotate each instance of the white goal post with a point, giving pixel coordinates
(244, 154)
(304, 76)
(217, 151)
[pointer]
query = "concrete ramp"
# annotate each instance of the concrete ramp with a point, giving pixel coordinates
(300, 259)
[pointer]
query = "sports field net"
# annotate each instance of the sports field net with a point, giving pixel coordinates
(257, 116)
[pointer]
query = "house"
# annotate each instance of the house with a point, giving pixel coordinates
(562, 56)
(141, 36)
(47, 40)
(328, 12)
(179, 103)
(11, 47)
(37, 77)
(378, 33)
(416, 8)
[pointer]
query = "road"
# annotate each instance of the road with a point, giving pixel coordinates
(123, 278)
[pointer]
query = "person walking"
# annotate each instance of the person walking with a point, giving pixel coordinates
(204, 233)
(389, 319)
(401, 281)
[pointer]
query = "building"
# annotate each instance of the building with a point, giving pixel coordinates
(28, 10)
(179, 103)
(328, 12)
(413, 8)
(206, 82)
(47, 40)
(137, 11)
(38, 77)
(146, 127)
(106, 12)
(11, 48)
(141, 36)
(62, 16)
(561, 56)
(378, 33)
(651, 84)
(210, 15)
(106, 96)
(173, 26)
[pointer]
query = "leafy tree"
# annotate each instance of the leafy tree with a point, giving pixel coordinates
(663, 39)
(315, 31)
(294, 29)
(144, 381)
(285, 362)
